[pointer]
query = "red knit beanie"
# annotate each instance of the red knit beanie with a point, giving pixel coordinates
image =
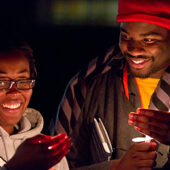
(150, 11)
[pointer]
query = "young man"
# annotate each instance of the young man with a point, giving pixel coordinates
(134, 75)
(21, 145)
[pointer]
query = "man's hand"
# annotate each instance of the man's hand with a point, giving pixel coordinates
(153, 123)
(139, 156)
(40, 152)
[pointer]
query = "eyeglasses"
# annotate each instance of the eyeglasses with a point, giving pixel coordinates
(20, 84)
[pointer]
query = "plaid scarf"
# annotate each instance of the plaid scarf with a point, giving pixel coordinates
(161, 101)
(161, 97)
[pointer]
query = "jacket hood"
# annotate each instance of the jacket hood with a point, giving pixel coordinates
(30, 125)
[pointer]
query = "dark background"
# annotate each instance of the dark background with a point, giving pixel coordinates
(60, 50)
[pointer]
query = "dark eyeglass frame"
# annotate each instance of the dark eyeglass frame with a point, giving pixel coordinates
(10, 83)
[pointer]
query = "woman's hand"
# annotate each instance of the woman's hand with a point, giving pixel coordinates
(40, 152)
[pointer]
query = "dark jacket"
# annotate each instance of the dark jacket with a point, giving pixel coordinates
(100, 91)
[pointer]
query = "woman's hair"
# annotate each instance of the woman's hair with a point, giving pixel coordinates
(22, 46)
(28, 52)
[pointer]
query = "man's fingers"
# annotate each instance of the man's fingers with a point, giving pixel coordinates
(144, 156)
(163, 138)
(144, 146)
(150, 129)
(159, 115)
(137, 119)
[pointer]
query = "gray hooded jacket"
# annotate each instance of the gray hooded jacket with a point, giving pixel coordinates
(31, 124)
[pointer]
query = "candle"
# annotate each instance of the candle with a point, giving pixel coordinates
(142, 139)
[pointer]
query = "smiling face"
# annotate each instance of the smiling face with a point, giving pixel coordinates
(13, 102)
(146, 48)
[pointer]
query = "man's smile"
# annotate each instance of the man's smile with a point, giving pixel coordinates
(138, 63)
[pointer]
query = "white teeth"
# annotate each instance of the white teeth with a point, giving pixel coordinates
(138, 62)
(11, 106)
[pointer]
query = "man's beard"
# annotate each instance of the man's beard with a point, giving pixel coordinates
(141, 75)
(138, 73)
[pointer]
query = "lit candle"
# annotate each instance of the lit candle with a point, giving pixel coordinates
(142, 139)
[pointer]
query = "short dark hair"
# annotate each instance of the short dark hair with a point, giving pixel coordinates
(19, 45)
(28, 52)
